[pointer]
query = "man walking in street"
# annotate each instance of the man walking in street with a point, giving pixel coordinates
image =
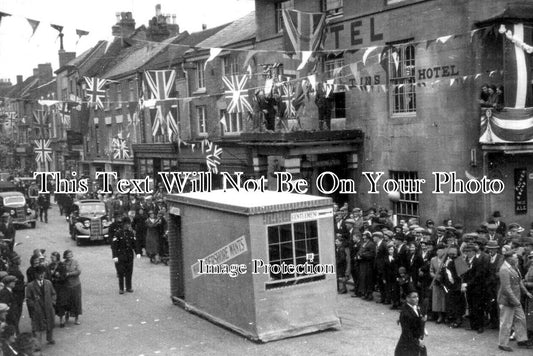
(123, 247)
(40, 298)
(511, 312)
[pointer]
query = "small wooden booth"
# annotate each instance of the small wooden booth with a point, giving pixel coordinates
(259, 263)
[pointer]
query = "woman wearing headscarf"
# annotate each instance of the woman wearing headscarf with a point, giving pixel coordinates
(72, 287)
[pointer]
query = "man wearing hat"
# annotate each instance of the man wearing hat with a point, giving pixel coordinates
(123, 247)
(381, 255)
(500, 225)
(40, 298)
(7, 231)
(474, 283)
(495, 263)
(18, 290)
(7, 297)
(511, 312)
(493, 234)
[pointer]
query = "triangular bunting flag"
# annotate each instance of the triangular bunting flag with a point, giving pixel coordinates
(3, 14)
(452, 81)
(213, 53)
(396, 60)
(353, 68)
(305, 58)
(444, 39)
(492, 72)
(249, 56)
(80, 34)
(367, 53)
(34, 24)
(312, 81)
(465, 77)
(384, 87)
(477, 76)
(223, 123)
(57, 27)
(429, 43)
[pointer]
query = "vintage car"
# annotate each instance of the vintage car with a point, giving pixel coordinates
(14, 203)
(89, 221)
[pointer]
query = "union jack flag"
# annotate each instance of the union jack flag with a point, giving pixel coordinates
(287, 96)
(160, 83)
(64, 113)
(40, 120)
(94, 92)
(304, 31)
(212, 158)
(43, 150)
(238, 95)
(120, 148)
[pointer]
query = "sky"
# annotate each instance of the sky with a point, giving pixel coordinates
(20, 52)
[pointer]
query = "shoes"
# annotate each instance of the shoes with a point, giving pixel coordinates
(120, 292)
(440, 320)
(480, 330)
(129, 290)
(51, 342)
(77, 323)
(505, 348)
(527, 344)
(343, 292)
(62, 325)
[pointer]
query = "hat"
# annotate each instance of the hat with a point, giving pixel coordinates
(419, 229)
(390, 244)
(356, 210)
(5, 215)
(414, 227)
(429, 221)
(8, 279)
(496, 214)
(344, 208)
(3, 307)
(492, 244)
(3, 274)
(469, 247)
(509, 253)
(451, 228)
(459, 226)
(349, 221)
(388, 233)
(481, 240)
(441, 228)
(516, 226)
(378, 234)
(492, 226)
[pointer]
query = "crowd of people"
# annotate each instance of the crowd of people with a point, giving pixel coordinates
(484, 277)
(491, 97)
(50, 288)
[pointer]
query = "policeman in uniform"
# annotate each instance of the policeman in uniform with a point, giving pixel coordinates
(123, 247)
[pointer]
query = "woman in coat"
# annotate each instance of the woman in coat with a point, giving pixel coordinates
(365, 257)
(438, 301)
(57, 273)
(72, 286)
(153, 235)
(40, 298)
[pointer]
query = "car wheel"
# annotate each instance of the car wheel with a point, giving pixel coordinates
(32, 224)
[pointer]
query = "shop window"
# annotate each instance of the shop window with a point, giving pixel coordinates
(407, 206)
(402, 79)
(332, 8)
(280, 6)
(291, 244)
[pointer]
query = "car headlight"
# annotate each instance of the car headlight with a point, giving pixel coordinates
(87, 223)
(12, 212)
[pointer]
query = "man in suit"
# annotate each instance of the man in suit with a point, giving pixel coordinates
(413, 325)
(7, 231)
(493, 281)
(500, 225)
(474, 283)
(379, 264)
(40, 298)
(511, 312)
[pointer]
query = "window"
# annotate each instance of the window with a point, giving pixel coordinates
(338, 97)
(131, 85)
(202, 120)
(402, 79)
(331, 64)
(332, 7)
(290, 244)
(234, 121)
(231, 66)
(119, 96)
(96, 140)
(280, 6)
(107, 99)
(145, 167)
(200, 75)
(407, 206)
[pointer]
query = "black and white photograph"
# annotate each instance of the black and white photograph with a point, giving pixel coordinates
(266, 177)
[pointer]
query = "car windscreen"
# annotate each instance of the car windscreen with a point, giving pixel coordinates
(92, 209)
(14, 200)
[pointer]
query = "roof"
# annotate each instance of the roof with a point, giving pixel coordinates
(250, 203)
(80, 60)
(239, 30)
(181, 44)
(518, 12)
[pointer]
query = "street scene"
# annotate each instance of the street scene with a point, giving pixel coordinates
(289, 177)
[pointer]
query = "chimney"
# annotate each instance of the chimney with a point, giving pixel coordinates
(204, 27)
(19, 79)
(65, 57)
(45, 72)
(125, 25)
(35, 72)
(158, 10)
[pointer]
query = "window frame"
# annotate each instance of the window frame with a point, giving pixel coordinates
(278, 10)
(401, 101)
(231, 68)
(202, 121)
(333, 11)
(411, 200)
(199, 74)
(239, 121)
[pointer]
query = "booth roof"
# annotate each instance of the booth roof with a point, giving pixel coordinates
(250, 203)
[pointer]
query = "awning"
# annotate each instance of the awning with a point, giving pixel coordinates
(513, 13)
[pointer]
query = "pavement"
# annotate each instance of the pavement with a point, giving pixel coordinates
(146, 322)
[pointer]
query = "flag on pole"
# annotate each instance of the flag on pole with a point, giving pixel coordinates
(57, 27)
(238, 95)
(94, 92)
(304, 31)
(42, 150)
(160, 84)
(287, 96)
